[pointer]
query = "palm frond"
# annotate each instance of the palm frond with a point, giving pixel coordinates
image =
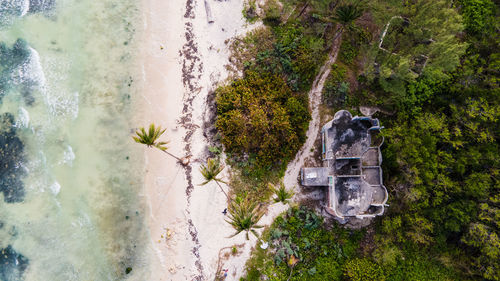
(282, 194)
(161, 145)
(346, 14)
(211, 171)
(244, 217)
(150, 138)
(204, 183)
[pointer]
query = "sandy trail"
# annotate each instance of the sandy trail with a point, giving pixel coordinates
(293, 168)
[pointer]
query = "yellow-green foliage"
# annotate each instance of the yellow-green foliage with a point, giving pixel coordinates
(363, 270)
(260, 117)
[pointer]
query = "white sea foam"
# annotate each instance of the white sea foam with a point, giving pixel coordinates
(68, 156)
(26, 7)
(55, 188)
(23, 118)
(36, 69)
(29, 74)
(63, 104)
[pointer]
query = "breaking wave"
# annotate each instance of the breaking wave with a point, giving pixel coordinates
(10, 10)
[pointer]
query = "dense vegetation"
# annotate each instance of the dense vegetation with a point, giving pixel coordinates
(303, 247)
(300, 235)
(278, 63)
(444, 162)
(434, 81)
(259, 117)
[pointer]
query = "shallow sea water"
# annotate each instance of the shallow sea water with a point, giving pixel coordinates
(70, 175)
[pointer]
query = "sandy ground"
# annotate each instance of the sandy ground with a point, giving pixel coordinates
(183, 57)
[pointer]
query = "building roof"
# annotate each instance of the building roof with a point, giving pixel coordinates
(315, 176)
(351, 170)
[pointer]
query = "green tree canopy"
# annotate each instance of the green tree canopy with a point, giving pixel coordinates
(421, 41)
(259, 117)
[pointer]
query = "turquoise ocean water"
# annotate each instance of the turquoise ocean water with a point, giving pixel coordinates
(69, 173)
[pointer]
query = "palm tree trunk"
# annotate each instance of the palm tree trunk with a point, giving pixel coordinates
(172, 155)
(222, 189)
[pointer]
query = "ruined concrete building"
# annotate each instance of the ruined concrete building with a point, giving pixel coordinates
(351, 169)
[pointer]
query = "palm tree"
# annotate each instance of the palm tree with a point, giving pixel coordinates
(150, 138)
(346, 14)
(282, 194)
(244, 217)
(211, 171)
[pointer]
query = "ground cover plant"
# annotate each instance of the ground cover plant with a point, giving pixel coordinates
(302, 247)
(441, 119)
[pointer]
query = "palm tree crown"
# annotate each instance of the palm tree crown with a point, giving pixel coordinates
(150, 137)
(244, 217)
(211, 171)
(282, 194)
(346, 14)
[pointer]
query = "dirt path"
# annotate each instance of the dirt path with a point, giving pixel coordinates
(293, 168)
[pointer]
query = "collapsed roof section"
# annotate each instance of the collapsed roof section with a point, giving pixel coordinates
(351, 167)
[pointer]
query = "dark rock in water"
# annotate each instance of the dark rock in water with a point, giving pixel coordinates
(28, 97)
(15, 55)
(41, 5)
(11, 157)
(1, 225)
(13, 70)
(13, 232)
(128, 270)
(12, 264)
(11, 9)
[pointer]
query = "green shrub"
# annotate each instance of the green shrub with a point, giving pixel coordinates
(335, 95)
(478, 15)
(295, 55)
(272, 12)
(419, 265)
(362, 269)
(328, 268)
(250, 11)
(260, 118)
(300, 232)
(336, 89)
(347, 52)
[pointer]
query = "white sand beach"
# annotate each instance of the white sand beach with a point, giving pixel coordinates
(183, 57)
